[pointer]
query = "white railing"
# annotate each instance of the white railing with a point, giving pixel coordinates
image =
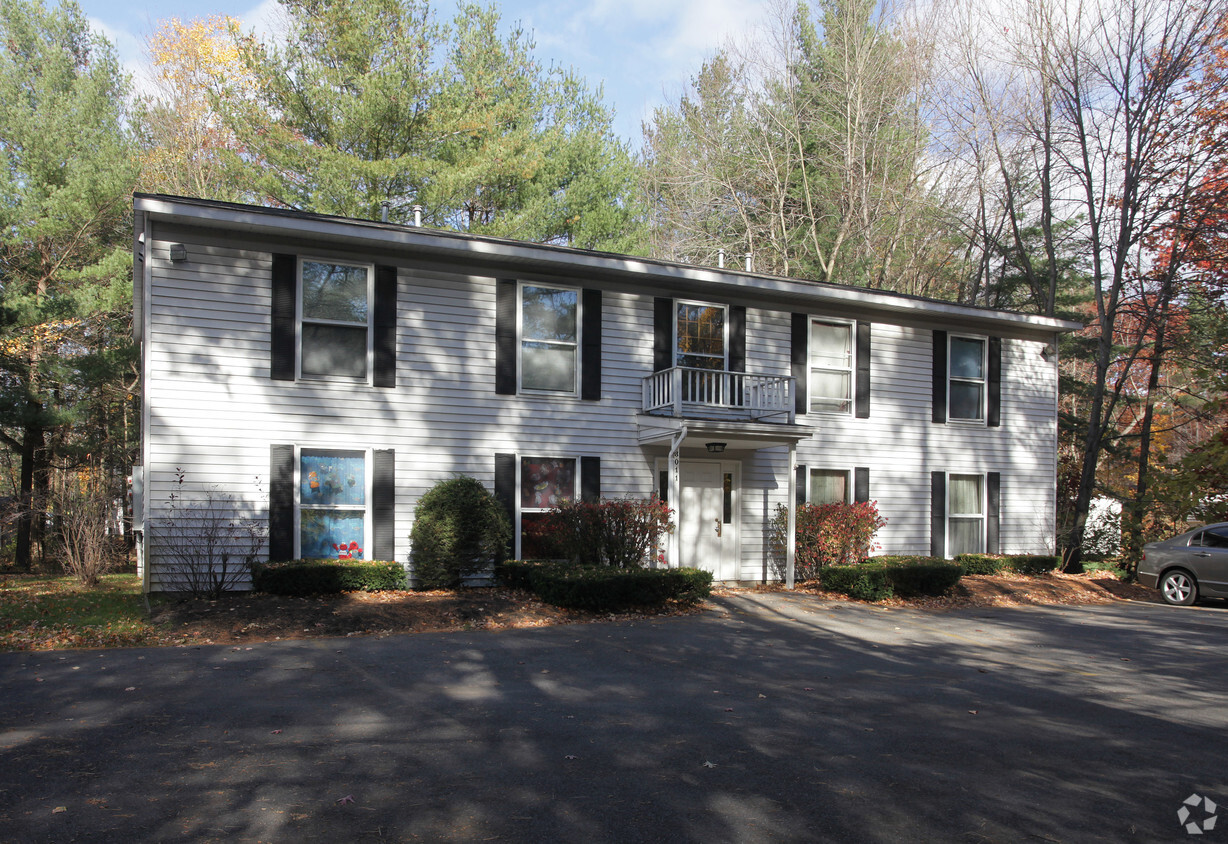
(685, 389)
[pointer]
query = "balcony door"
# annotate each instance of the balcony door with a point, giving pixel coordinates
(700, 343)
(707, 517)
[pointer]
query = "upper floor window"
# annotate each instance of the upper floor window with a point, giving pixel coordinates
(549, 338)
(334, 316)
(831, 366)
(966, 373)
(700, 336)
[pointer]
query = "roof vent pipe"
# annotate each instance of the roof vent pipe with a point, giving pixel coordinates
(383, 210)
(418, 215)
(720, 259)
(748, 263)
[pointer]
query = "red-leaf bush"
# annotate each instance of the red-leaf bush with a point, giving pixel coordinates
(827, 535)
(617, 532)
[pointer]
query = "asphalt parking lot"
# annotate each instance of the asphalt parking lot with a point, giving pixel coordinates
(775, 717)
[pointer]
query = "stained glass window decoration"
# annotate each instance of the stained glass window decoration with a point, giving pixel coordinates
(332, 504)
(546, 482)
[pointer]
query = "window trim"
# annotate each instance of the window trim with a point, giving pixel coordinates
(367, 509)
(850, 401)
(576, 346)
(679, 303)
(848, 481)
(982, 420)
(982, 517)
(299, 320)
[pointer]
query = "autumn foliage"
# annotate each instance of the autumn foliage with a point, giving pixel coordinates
(827, 535)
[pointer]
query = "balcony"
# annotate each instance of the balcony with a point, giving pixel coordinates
(684, 391)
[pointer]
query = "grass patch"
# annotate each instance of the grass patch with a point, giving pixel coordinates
(47, 613)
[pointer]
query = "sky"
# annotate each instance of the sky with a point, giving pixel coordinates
(642, 52)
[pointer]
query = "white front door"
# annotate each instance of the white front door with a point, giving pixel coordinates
(707, 517)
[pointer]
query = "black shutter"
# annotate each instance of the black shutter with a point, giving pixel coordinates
(385, 340)
(993, 497)
(505, 337)
(383, 504)
(938, 514)
(861, 484)
(590, 479)
(994, 418)
(281, 503)
(662, 333)
(862, 402)
(737, 338)
(940, 377)
(799, 479)
(590, 353)
(505, 485)
(281, 341)
(799, 356)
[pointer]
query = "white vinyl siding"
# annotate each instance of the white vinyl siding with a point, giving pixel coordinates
(214, 411)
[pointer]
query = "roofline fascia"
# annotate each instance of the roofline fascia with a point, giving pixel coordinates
(458, 246)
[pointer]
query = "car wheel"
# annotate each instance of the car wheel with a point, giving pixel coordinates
(1179, 587)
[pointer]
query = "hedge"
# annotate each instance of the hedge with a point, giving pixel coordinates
(326, 577)
(998, 563)
(606, 589)
(884, 577)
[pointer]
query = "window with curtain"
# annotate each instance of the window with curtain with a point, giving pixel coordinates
(829, 486)
(831, 366)
(701, 336)
(965, 514)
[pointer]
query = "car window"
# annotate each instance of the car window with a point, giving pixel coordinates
(1215, 537)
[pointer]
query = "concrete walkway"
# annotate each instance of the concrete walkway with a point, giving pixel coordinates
(775, 717)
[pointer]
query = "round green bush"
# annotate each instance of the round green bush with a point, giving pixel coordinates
(459, 530)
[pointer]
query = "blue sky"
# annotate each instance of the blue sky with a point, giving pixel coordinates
(642, 51)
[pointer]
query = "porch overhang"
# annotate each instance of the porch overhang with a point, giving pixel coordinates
(737, 436)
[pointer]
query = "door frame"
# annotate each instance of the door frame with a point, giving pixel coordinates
(731, 550)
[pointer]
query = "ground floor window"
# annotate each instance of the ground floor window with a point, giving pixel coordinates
(545, 483)
(828, 486)
(965, 514)
(332, 504)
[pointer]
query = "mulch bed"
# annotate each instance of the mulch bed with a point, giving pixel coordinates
(259, 618)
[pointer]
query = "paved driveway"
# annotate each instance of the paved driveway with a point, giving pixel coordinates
(773, 718)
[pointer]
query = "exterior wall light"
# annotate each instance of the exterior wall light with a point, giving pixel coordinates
(715, 448)
(179, 253)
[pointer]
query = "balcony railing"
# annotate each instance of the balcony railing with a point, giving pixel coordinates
(684, 391)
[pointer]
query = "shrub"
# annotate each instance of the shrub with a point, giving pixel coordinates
(617, 532)
(327, 577)
(605, 588)
(883, 578)
(82, 508)
(209, 540)
(827, 535)
(459, 530)
(997, 563)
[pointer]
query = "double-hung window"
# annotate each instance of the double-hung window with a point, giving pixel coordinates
(828, 486)
(545, 483)
(332, 504)
(334, 319)
(831, 366)
(966, 393)
(965, 514)
(549, 339)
